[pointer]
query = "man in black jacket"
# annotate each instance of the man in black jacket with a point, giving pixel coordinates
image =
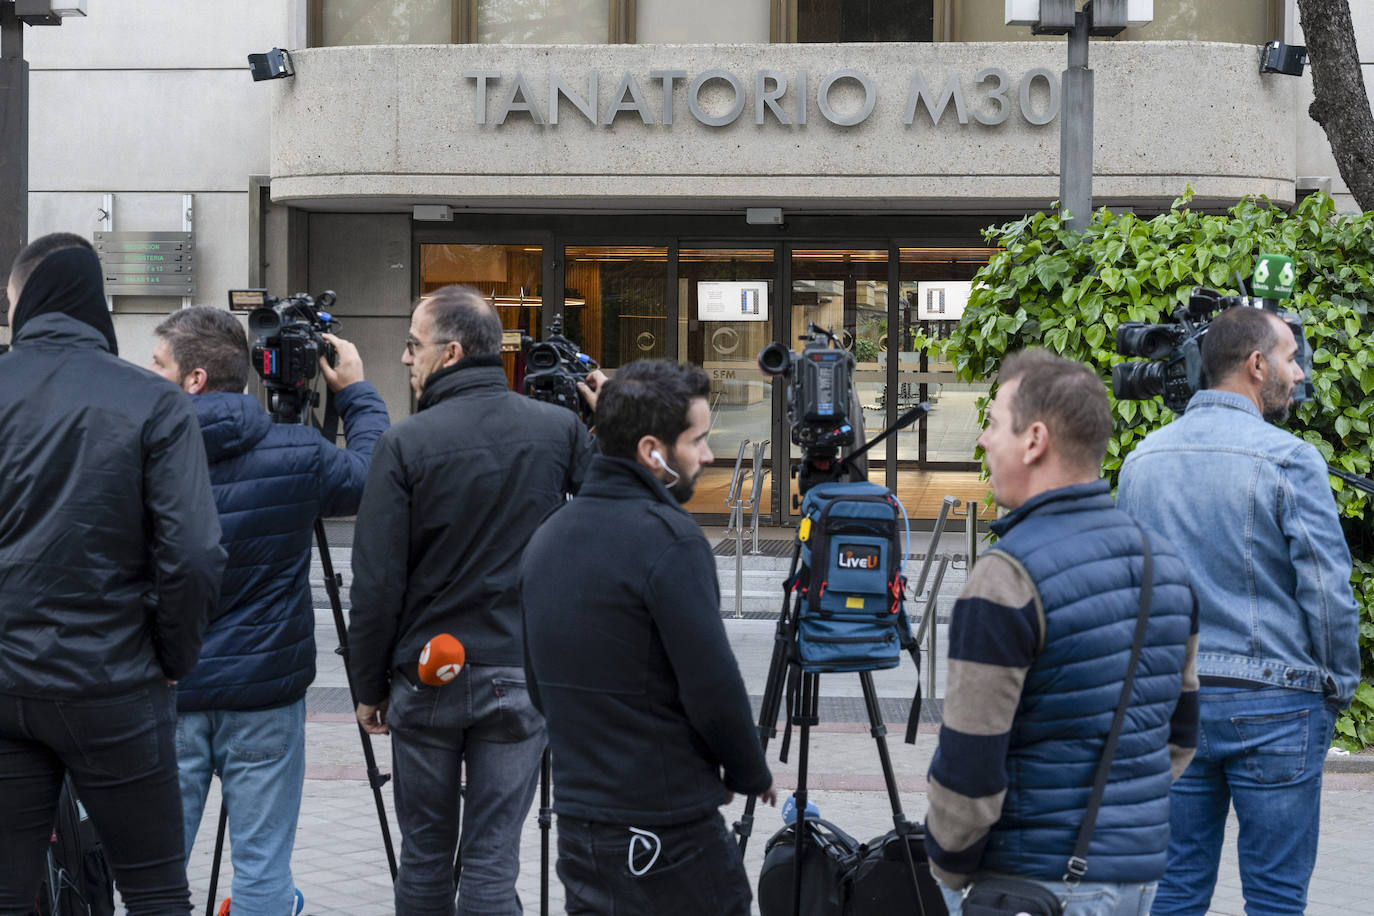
(241, 713)
(109, 567)
(626, 656)
(452, 497)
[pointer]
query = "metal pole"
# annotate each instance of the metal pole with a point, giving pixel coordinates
(971, 532)
(14, 144)
(1076, 130)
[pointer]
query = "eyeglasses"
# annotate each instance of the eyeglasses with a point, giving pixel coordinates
(414, 345)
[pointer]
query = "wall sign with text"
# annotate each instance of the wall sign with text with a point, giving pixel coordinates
(942, 300)
(732, 300)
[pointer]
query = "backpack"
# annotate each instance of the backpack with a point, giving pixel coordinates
(850, 580)
(828, 856)
(77, 879)
(880, 882)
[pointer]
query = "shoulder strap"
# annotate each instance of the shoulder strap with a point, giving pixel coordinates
(1078, 862)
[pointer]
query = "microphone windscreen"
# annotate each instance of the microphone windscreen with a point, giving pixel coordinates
(441, 659)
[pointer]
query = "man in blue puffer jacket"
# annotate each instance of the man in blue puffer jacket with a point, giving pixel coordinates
(241, 712)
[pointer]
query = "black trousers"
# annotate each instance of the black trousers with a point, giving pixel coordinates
(621, 870)
(121, 753)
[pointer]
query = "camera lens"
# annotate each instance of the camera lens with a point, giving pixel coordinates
(775, 359)
(1137, 381)
(1148, 341)
(264, 322)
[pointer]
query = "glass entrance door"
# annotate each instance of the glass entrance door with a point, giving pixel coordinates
(726, 314)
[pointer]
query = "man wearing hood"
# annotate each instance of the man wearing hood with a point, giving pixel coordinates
(241, 713)
(109, 568)
(454, 493)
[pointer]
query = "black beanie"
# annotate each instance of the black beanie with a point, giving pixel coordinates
(68, 281)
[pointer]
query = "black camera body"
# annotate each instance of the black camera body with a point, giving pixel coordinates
(1171, 354)
(820, 379)
(287, 345)
(553, 369)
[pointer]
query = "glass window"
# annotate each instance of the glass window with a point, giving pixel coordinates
(616, 302)
(936, 456)
(864, 20)
(725, 311)
(383, 22)
(371, 22)
(1241, 21)
(577, 22)
(509, 275)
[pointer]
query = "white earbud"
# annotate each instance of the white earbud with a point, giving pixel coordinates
(657, 456)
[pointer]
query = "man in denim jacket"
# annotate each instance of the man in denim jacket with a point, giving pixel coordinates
(1250, 506)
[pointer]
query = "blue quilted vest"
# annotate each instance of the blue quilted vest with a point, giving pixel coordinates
(1085, 557)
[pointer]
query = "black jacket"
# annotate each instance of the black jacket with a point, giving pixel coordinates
(628, 660)
(109, 541)
(452, 497)
(271, 481)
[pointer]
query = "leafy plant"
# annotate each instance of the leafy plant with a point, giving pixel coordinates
(1066, 291)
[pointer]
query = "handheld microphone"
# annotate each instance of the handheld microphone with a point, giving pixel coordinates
(441, 659)
(657, 456)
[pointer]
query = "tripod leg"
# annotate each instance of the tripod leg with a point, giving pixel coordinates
(808, 714)
(375, 777)
(899, 821)
(545, 822)
(783, 642)
(219, 856)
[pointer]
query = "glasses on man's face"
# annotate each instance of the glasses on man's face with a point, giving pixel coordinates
(415, 345)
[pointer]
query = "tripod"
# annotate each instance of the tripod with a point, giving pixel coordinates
(333, 582)
(787, 676)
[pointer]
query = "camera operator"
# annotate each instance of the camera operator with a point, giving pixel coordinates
(1039, 644)
(109, 567)
(454, 494)
(627, 657)
(1251, 505)
(242, 710)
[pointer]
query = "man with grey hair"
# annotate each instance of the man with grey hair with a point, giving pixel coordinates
(1039, 644)
(453, 496)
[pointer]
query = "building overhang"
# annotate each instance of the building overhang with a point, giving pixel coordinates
(823, 128)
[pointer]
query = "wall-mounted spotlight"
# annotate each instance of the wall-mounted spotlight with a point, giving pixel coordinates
(274, 65)
(1277, 57)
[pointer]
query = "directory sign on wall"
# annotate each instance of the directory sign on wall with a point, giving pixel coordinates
(732, 300)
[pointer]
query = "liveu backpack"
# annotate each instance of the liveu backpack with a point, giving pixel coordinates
(850, 580)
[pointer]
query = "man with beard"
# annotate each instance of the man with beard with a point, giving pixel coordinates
(1278, 658)
(452, 497)
(625, 653)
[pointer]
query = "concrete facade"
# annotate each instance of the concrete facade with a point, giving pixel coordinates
(411, 125)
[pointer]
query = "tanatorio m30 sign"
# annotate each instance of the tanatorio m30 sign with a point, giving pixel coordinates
(719, 98)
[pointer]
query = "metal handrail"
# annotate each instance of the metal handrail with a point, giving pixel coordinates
(732, 497)
(761, 470)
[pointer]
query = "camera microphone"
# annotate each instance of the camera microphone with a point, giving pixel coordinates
(441, 659)
(658, 456)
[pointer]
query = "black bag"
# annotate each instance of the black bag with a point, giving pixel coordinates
(77, 879)
(828, 856)
(998, 896)
(881, 880)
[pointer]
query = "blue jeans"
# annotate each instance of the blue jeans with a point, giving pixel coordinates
(1088, 899)
(260, 758)
(119, 752)
(484, 722)
(1261, 750)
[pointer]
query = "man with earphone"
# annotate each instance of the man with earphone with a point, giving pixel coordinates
(625, 654)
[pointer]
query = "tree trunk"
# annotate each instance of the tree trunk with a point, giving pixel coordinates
(1341, 105)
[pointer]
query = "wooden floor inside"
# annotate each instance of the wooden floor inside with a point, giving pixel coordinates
(921, 492)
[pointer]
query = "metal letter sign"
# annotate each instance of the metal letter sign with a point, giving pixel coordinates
(1274, 276)
(147, 263)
